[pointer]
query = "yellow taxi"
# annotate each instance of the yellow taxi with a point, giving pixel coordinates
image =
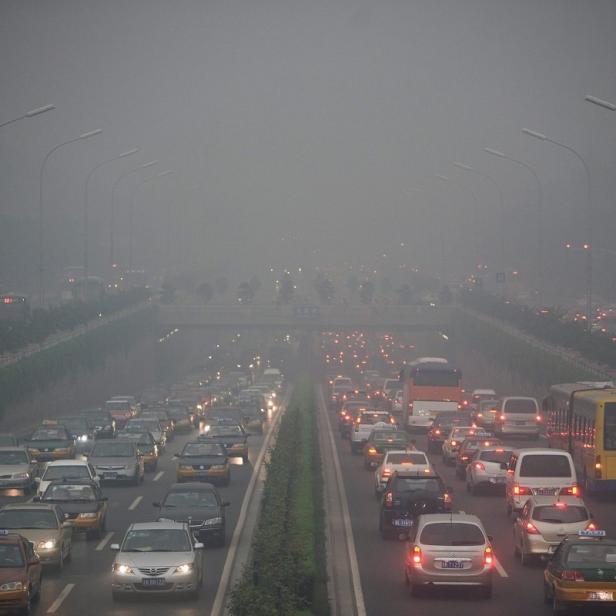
(203, 462)
(231, 436)
(20, 572)
(582, 572)
(51, 442)
(145, 444)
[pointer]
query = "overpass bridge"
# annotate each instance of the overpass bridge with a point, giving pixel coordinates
(337, 316)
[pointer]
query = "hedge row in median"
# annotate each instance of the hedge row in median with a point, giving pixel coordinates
(287, 572)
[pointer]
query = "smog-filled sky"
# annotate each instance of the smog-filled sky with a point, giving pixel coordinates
(305, 133)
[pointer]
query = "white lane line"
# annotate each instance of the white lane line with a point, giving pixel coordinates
(350, 540)
(103, 542)
(500, 568)
(135, 503)
(218, 607)
(53, 608)
(158, 475)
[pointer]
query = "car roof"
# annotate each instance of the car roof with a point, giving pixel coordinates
(166, 525)
(409, 474)
(540, 501)
(67, 463)
(13, 448)
(80, 481)
(197, 486)
(458, 517)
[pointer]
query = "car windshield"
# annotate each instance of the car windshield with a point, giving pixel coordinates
(203, 449)
(591, 554)
(76, 425)
(417, 484)
(406, 458)
(73, 471)
(520, 405)
(191, 498)
(452, 534)
(117, 405)
(498, 455)
(12, 458)
(69, 492)
(156, 540)
(50, 434)
(546, 465)
(28, 518)
(178, 413)
(11, 555)
(564, 514)
(113, 450)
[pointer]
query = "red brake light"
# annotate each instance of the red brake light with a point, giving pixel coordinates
(372, 451)
(571, 491)
(531, 529)
(415, 555)
(520, 490)
(572, 576)
(488, 557)
(389, 499)
(539, 419)
(479, 466)
(437, 431)
(453, 443)
(591, 526)
(386, 472)
(502, 418)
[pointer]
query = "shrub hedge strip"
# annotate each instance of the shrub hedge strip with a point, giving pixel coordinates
(287, 572)
(89, 351)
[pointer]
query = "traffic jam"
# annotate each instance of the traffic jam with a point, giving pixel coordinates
(141, 493)
(461, 493)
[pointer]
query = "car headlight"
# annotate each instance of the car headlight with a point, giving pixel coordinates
(200, 407)
(83, 438)
(20, 476)
(212, 522)
(217, 467)
(11, 586)
(122, 569)
(46, 544)
(185, 568)
(87, 516)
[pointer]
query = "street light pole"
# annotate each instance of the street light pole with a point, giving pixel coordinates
(81, 137)
(539, 247)
(501, 201)
(86, 211)
(600, 102)
(29, 114)
(113, 205)
(589, 218)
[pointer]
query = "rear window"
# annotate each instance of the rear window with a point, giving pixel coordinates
(452, 534)
(543, 465)
(591, 554)
(373, 418)
(436, 378)
(417, 484)
(521, 405)
(495, 456)
(407, 458)
(560, 515)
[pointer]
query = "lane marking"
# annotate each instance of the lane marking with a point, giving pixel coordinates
(500, 568)
(348, 529)
(218, 607)
(135, 503)
(103, 542)
(158, 475)
(53, 608)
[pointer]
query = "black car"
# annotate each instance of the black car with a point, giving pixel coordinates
(81, 501)
(82, 429)
(232, 437)
(442, 425)
(254, 418)
(410, 494)
(200, 506)
(234, 413)
(103, 424)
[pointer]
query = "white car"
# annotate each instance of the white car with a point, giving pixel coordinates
(399, 460)
(364, 424)
(487, 469)
(65, 469)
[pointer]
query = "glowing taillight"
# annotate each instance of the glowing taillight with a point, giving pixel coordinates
(591, 526)
(447, 498)
(520, 490)
(454, 443)
(437, 432)
(386, 472)
(538, 419)
(479, 466)
(598, 468)
(571, 491)
(572, 576)
(389, 499)
(415, 555)
(502, 418)
(371, 451)
(530, 529)
(488, 557)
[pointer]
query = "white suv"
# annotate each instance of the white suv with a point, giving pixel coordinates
(365, 423)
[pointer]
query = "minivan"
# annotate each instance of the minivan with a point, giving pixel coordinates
(539, 472)
(518, 415)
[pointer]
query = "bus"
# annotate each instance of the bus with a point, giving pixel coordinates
(430, 385)
(581, 419)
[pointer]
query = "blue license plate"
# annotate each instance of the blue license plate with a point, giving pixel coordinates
(452, 564)
(110, 475)
(405, 523)
(153, 581)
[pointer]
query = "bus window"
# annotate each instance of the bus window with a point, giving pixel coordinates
(436, 378)
(609, 426)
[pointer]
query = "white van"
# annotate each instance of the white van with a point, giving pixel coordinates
(518, 415)
(539, 472)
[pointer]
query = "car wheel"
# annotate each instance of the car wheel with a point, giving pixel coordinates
(69, 553)
(26, 610)
(60, 563)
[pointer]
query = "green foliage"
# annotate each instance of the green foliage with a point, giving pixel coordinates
(38, 371)
(287, 571)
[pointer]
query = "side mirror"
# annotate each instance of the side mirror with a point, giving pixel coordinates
(225, 503)
(198, 546)
(155, 504)
(114, 547)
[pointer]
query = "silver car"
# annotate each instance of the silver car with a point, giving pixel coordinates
(487, 469)
(17, 470)
(157, 558)
(449, 549)
(545, 521)
(116, 460)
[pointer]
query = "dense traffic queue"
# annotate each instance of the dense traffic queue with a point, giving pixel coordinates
(542, 486)
(65, 465)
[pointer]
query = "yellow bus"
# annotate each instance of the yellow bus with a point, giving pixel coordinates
(581, 419)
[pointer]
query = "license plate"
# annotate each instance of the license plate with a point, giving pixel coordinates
(110, 475)
(404, 522)
(520, 423)
(153, 581)
(452, 564)
(601, 596)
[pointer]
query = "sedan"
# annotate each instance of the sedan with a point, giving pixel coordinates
(487, 469)
(399, 461)
(203, 461)
(17, 469)
(117, 461)
(157, 558)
